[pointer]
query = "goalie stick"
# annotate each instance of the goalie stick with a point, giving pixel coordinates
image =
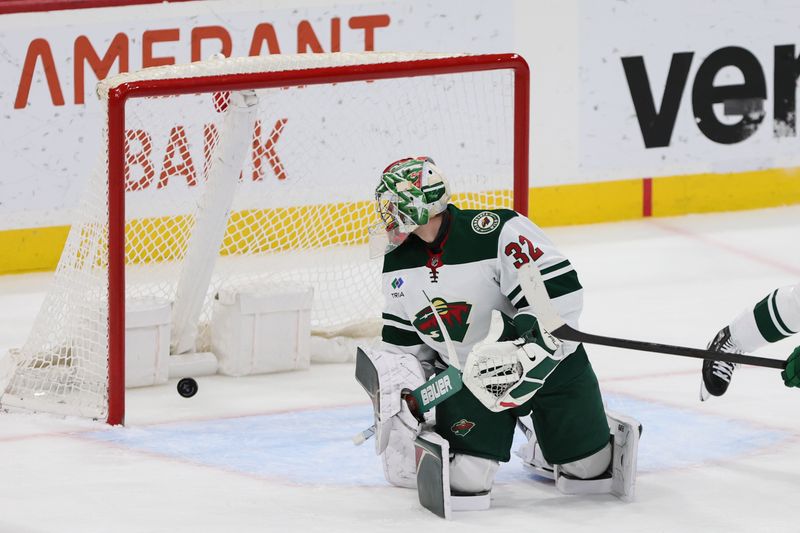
(435, 390)
(532, 284)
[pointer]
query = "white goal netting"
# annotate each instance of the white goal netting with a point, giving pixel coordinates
(308, 155)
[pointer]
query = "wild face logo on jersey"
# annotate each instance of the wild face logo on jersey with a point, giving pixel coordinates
(462, 427)
(454, 316)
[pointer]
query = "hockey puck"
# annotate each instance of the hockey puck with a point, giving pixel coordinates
(187, 387)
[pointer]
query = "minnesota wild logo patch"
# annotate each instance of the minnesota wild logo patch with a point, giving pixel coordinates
(462, 427)
(454, 316)
(485, 222)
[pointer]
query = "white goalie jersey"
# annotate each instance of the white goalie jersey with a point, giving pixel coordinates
(470, 270)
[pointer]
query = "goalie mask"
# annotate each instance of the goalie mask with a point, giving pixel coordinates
(410, 193)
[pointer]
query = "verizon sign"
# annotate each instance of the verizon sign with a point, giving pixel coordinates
(680, 93)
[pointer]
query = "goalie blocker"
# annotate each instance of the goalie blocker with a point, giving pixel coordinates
(385, 376)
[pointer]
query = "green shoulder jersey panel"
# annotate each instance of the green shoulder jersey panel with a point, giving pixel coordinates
(473, 236)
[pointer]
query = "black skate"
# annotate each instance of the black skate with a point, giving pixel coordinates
(717, 375)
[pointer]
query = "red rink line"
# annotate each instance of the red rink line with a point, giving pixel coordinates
(647, 197)
(77, 432)
(741, 252)
(34, 6)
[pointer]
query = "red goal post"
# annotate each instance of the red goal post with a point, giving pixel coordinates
(245, 74)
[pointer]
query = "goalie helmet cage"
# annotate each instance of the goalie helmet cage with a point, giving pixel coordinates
(302, 192)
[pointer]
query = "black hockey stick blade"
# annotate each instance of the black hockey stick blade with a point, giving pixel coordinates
(535, 292)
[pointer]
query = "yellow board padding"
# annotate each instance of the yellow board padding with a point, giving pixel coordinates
(28, 250)
(704, 193)
(585, 203)
(31, 250)
(153, 240)
(303, 227)
(320, 226)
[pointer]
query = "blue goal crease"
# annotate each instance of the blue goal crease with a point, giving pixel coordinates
(315, 447)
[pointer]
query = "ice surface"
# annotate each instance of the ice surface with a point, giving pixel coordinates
(273, 453)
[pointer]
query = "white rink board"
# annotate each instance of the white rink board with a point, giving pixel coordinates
(583, 115)
(321, 123)
(49, 145)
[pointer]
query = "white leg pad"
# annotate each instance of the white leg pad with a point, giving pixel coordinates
(589, 475)
(433, 473)
(570, 485)
(590, 467)
(384, 375)
(470, 502)
(398, 459)
(626, 431)
(445, 484)
(620, 477)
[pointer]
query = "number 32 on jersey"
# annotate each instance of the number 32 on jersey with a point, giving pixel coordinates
(522, 255)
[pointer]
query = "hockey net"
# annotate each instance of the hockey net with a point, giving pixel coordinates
(305, 138)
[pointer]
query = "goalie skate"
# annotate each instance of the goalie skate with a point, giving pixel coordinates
(531, 453)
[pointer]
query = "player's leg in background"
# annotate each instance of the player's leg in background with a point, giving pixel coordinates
(774, 318)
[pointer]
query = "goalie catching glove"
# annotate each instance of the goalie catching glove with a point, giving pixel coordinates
(506, 374)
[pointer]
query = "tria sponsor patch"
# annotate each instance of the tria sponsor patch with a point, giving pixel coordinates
(462, 427)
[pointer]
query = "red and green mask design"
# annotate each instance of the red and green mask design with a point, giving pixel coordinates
(454, 317)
